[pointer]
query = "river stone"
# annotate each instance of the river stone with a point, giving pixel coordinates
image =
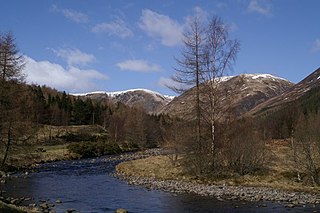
(15, 201)
(58, 201)
(44, 206)
(121, 211)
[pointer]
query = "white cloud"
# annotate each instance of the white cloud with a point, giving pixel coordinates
(74, 56)
(54, 75)
(118, 28)
(316, 46)
(201, 14)
(139, 66)
(259, 6)
(170, 83)
(161, 27)
(73, 15)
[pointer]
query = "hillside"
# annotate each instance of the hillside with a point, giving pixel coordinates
(149, 100)
(294, 93)
(238, 95)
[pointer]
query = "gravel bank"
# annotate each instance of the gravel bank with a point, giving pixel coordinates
(224, 192)
(221, 192)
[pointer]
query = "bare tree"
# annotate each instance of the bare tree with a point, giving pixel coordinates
(219, 56)
(207, 55)
(14, 101)
(188, 72)
(307, 145)
(245, 151)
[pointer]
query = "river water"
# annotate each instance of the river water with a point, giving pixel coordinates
(88, 187)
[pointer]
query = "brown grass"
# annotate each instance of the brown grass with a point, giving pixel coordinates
(26, 156)
(280, 171)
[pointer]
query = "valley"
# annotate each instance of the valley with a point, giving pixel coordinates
(114, 106)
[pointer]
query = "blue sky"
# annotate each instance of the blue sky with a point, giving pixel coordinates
(83, 46)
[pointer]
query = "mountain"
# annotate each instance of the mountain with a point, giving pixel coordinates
(294, 93)
(150, 101)
(238, 95)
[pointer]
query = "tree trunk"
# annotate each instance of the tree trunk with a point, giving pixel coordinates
(198, 94)
(9, 139)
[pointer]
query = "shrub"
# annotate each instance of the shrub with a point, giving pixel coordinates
(245, 151)
(94, 149)
(72, 137)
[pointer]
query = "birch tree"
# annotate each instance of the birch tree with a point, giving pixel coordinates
(219, 55)
(207, 56)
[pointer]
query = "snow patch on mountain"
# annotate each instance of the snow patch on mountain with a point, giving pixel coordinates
(256, 76)
(252, 76)
(225, 78)
(118, 93)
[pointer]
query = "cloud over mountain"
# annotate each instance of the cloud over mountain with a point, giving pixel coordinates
(72, 79)
(74, 56)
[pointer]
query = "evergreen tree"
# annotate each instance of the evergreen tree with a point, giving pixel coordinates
(11, 62)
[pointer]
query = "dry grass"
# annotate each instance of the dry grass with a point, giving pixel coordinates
(46, 132)
(29, 155)
(160, 167)
(280, 171)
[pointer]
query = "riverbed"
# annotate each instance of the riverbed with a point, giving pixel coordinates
(88, 186)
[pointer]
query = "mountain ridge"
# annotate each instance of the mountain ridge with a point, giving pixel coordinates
(294, 93)
(245, 92)
(249, 91)
(148, 100)
(116, 93)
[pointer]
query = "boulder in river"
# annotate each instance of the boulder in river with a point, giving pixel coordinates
(121, 210)
(58, 201)
(44, 206)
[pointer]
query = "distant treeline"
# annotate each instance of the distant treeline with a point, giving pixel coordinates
(132, 126)
(281, 122)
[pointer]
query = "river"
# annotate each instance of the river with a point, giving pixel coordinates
(89, 187)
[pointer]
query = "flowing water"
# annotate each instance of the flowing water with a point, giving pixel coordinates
(87, 186)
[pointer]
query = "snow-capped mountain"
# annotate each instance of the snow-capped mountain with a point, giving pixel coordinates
(237, 95)
(149, 100)
(294, 93)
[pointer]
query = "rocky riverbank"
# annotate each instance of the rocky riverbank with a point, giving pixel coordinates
(225, 192)
(154, 177)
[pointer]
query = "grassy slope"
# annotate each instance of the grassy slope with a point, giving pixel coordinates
(23, 158)
(55, 150)
(280, 171)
